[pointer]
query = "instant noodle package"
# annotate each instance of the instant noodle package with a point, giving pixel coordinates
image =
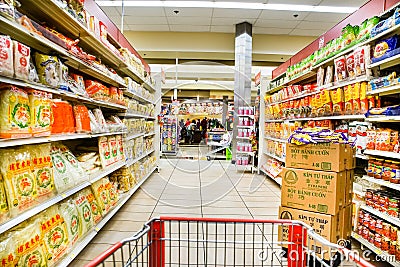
(41, 112)
(63, 178)
(43, 169)
(72, 221)
(85, 212)
(3, 202)
(96, 211)
(8, 257)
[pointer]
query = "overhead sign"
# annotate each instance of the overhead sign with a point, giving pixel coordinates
(257, 78)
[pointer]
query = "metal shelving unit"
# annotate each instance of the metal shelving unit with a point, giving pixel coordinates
(385, 154)
(133, 161)
(385, 90)
(275, 157)
(382, 182)
(390, 219)
(275, 139)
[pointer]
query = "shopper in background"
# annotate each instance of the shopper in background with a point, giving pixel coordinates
(203, 125)
(190, 131)
(187, 123)
(198, 124)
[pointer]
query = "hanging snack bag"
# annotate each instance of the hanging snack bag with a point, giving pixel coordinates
(100, 193)
(96, 210)
(48, 69)
(337, 101)
(42, 169)
(71, 217)
(348, 99)
(82, 120)
(6, 56)
(16, 113)
(54, 234)
(85, 212)
(41, 112)
(104, 151)
(340, 69)
(78, 174)
(19, 181)
(350, 65)
(8, 258)
(29, 247)
(22, 55)
(63, 179)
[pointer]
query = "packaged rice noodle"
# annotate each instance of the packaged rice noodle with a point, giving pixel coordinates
(63, 179)
(48, 69)
(120, 145)
(16, 113)
(42, 169)
(8, 258)
(29, 247)
(122, 178)
(77, 172)
(96, 210)
(104, 151)
(3, 202)
(22, 56)
(85, 212)
(82, 120)
(72, 220)
(41, 112)
(54, 234)
(112, 142)
(112, 193)
(6, 58)
(100, 193)
(19, 181)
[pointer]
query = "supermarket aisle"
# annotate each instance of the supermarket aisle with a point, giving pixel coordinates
(193, 188)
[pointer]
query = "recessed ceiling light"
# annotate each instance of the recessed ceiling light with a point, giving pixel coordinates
(231, 5)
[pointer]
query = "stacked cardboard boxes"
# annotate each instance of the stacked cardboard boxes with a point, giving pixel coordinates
(317, 188)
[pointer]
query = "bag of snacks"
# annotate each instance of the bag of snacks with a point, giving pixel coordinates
(29, 246)
(121, 156)
(350, 65)
(22, 55)
(348, 99)
(82, 120)
(363, 97)
(361, 55)
(105, 152)
(112, 142)
(48, 69)
(85, 212)
(96, 210)
(42, 169)
(41, 112)
(386, 46)
(54, 234)
(64, 121)
(356, 98)
(16, 113)
(20, 183)
(340, 69)
(6, 59)
(337, 101)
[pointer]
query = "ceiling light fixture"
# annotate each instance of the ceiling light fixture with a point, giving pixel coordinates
(231, 5)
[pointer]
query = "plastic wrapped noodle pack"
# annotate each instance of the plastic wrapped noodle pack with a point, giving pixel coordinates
(303, 136)
(43, 169)
(85, 212)
(63, 179)
(41, 110)
(72, 220)
(96, 211)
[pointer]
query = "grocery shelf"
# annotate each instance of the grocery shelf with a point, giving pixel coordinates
(292, 98)
(279, 76)
(383, 119)
(134, 115)
(276, 139)
(385, 154)
(387, 63)
(51, 138)
(89, 236)
(274, 156)
(54, 200)
(277, 88)
(138, 97)
(359, 156)
(277, 180)
(149, 134)
(340, 117)
(133, 161)
(308, 74)
(390, 258)
(272, 120)
(390, 219)
(394, 89)
(382, 182)
(133, 136)
(360, 193)
(245, 152)
(364, 78)
(130, 71)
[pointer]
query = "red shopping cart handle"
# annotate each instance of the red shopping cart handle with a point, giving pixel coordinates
(103, 256)
(226, 220)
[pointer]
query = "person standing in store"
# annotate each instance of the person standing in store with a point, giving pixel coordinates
(187, 123)
(198, 124)
(203, 125)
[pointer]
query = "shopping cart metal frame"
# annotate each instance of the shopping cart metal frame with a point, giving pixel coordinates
(157, 244)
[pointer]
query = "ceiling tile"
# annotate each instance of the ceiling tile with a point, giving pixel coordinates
(144, 11)
(188, 12)
(269, 23)
(235, 13)
(230, 21)
(352, 3)
(326, 17)
(262, 30)
(316, 25)
(189, 20)
(307, 32)
(295, 2)
(142, 28)
(145, 20)
(226, 29)
(111, 11)
(189, 28)
(283, 15)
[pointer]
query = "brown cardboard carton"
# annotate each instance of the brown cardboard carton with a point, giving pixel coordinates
(323, 156)
(316, 191)
(347, 221)
(349, 186)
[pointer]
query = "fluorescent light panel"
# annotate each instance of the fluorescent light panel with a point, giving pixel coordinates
(227, 5)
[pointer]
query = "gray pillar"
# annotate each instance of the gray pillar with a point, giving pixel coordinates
(243, 62)
(224, 110)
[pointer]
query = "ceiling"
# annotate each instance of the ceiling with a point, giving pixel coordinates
(224, 19)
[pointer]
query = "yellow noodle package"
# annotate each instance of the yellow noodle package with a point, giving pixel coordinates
(29, 247)
(3, 202)
(63, 179)
(41, 112)
(54, 234)
(43, 170)
(96, 211)
(15, 121)
(85, 212)
(76, 171)
(100, 193)
(7, 252)
(19, 181)
(72, 220)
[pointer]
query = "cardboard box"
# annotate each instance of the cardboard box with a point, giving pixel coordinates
(316, 191)
(349, 186)
(323, 157)
(347, 221)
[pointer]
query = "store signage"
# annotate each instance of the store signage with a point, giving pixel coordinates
(257, 78)
(321, 42)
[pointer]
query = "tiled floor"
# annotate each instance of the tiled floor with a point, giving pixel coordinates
(192, 188)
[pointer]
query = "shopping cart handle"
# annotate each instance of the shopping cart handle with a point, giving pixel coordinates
(103, 256)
